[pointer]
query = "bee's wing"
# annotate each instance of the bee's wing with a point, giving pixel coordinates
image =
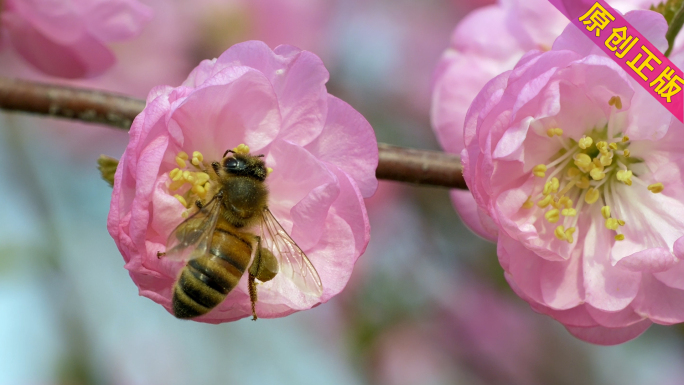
(192, 238)
(292, 261)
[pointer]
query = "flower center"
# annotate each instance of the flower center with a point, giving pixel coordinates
(584, 172)
(195, 174)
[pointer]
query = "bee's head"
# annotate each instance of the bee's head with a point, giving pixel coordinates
(245, 165)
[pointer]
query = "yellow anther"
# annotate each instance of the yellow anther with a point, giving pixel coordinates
(175, 185)
(554, 131)
(199, 190)
(551, 186)
(592, 195)
(615, 101)
(583, 183)
(241, 149)
(612, 223)
(565, 201)
(626, 153)
(202, 178)
(568, 234)
(185, 175)
(605, 211)
(613, 146)
(656, 187)
(268, 170)
(625, 139)
(206, 186)
(606, 159)
(583, 161)
(597, 174)
(185, 214)
(190, 177)
(555, 204)
(620, 237)
(552, 215)
(602, 146)
(182, 155)
(181, 200)
(569, 212)
(560, 233)
(573, 172)
(180, 162)
(539, 170)
(175, 174)
(585, 142)
(528, 203)
(625, 176)
(197, 158)
(621, 222)
(545, 202)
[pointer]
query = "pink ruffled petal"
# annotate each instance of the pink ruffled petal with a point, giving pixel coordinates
(354, 152)
(649, 261)
(601, 335)
(658, 302)
(607, 288)
(118, 19)
(242, 111)
(473, 217)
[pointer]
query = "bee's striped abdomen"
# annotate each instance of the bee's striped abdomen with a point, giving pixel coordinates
(205, 281)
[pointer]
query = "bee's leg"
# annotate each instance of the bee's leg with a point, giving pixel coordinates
(253, 272)
(160, 254)
(252, 294)
(199, 204)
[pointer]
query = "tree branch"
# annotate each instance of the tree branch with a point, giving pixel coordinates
(421, 167)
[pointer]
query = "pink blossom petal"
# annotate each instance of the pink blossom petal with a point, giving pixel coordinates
(658, 302)
(67, 38)
(607, 288)
(601, 335)
(118, 19)
(473, 217)
(298, 78)
(85, 56)
(650, 260)
(243, 111)
(617, 319)
(348, 150)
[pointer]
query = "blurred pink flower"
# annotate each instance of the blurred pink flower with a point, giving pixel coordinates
(67, 38)
(580, 170)
(323, 154)
(487, 42)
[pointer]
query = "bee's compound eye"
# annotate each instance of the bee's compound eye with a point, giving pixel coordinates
(233, 164)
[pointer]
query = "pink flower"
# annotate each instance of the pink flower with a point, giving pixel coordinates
(487, 42)
(579, 169)
(67, 38)
(322, 152)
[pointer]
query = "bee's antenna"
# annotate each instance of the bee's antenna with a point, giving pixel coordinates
(260, 156)
(227, 151)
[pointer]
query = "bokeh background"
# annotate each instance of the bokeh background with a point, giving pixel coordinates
(427, 303)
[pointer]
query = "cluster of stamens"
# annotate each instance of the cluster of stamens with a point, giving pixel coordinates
(197, 177)
(584, 172)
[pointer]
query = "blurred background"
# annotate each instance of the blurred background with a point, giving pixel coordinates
(427, 303)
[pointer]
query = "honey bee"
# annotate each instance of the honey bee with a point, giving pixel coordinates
(232, 233)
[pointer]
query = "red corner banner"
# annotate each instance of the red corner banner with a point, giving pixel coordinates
(623, 43)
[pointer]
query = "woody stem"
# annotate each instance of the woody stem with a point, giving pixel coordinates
(423, 167)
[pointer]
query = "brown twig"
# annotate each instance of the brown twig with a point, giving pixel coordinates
(421, 167)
